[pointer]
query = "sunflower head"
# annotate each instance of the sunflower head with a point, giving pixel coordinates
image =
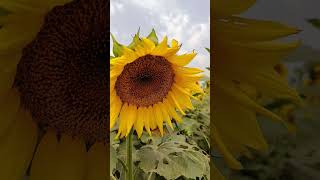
(62, 75)
(148, 82)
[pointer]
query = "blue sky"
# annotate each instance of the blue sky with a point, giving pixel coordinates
(184, 20)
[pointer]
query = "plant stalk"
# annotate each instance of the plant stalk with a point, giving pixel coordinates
(129, 173)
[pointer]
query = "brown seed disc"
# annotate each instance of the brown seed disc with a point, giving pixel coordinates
(63, 73)
(146, 81)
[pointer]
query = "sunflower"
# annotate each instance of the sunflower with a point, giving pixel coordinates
(148, 83)
(53, 89)
(246, 62)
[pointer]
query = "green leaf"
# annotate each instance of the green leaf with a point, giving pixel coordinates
(117, 47)
(113, 159)
(315, 22)
(153, 36)
(208, 49)
(135, 40)
(174, 158)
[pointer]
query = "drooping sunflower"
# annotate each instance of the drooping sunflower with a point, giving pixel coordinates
(246, 58)
(53, 89)
(148, 83)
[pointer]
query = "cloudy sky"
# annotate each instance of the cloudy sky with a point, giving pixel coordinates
(185, 20)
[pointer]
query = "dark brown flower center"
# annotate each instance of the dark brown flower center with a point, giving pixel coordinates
(146, 81)
(62, 75)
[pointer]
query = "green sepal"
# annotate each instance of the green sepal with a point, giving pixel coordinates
(153, 36)
(208, 50)
(112, 57)
(135, 40)
(117, 47)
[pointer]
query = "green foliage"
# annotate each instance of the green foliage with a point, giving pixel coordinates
(174, 158)
(113, 158)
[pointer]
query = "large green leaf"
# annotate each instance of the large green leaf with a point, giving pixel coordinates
(113, 159)
(174, 158)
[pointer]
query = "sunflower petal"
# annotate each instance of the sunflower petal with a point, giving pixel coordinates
(158, 117)
(162, 48)
(67, 159)
(181, 60)
(146, 119)
(231, 7)
(122, 125)
(139, 122)
(9, 107)
(232, 162)
(97, 162)
(17, 147)
(171, 110)
(42, 163)
(115, 109)
(131, 117)
(165, 114)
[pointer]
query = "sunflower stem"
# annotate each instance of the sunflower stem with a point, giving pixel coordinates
(129, 173)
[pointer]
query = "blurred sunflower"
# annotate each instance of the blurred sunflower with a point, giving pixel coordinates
(53, 89)
(148, 82)
(246, 63)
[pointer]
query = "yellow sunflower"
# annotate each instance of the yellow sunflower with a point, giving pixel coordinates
(53, 89)
(148, 83)
(246, 58)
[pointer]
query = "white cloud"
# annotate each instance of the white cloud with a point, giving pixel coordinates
(148, 4)
(155, 6)
(115, 7)
(175, 25)
(198, 34)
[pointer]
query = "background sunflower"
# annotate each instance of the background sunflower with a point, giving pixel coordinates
(289, 156)
(246, 65)
(52, 124)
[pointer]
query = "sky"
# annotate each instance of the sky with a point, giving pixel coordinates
(188, 21)
(184, 20)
